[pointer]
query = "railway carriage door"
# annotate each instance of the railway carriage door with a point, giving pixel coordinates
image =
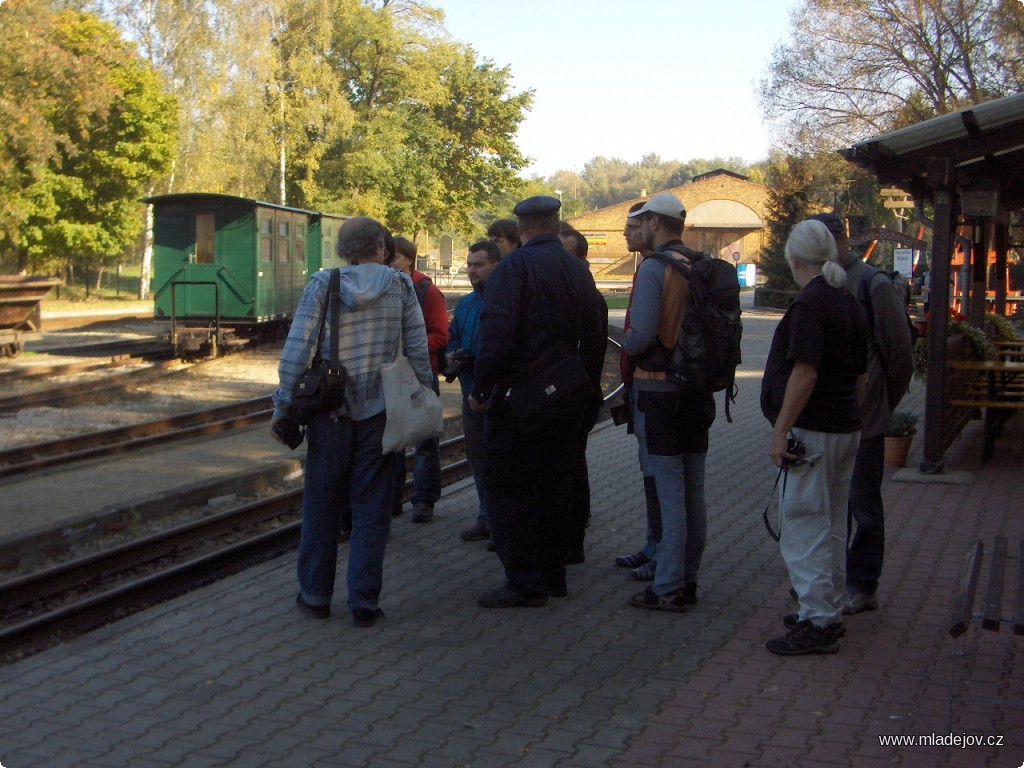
(282, 301)
(265, 279)
(299, 259)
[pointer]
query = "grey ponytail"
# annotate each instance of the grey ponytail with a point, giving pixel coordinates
(812, 243)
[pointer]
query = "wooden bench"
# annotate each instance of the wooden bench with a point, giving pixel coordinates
(992, 616)
(1000, 606)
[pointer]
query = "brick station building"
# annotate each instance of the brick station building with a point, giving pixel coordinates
(725, 215)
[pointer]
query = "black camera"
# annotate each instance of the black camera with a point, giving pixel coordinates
(620, 414)
(290, 432)
(796, 448)
(461, 360)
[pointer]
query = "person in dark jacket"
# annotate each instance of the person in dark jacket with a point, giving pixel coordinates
(540, 299)
(462, 352)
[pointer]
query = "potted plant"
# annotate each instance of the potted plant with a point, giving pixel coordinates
(977, 345)
(899, 434)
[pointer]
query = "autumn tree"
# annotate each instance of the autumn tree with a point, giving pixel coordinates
(856, 68)
(105, 144)
(40, 122)
(790, 200)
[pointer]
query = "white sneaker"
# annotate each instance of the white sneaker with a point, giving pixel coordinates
(856, 602)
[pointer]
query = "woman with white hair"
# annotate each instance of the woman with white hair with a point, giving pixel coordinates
(811, 393)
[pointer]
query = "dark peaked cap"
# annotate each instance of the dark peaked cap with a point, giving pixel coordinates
(536, 205)
(832, 223)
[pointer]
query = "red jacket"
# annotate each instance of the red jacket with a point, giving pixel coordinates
(435, 315)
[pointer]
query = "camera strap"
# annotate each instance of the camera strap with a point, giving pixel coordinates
(783, 475)
(783, 470)
(334, 293)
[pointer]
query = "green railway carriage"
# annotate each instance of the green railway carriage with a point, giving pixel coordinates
(228, 269)
(323, 234)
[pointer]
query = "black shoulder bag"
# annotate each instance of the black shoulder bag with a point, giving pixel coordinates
(552, 386)
(321, 388)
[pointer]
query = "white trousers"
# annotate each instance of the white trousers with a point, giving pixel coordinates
(812, 517)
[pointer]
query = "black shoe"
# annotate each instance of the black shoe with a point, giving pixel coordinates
(575, 556)
(632, 561)
(313, 611)
(366, 617)
(790, 620)
(478, 532)
(396, 509)
(678, 601)
(506, 597)
(804, 639)
(557, 587)
(422, 513)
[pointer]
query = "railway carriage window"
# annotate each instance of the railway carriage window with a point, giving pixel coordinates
(266, 233)
(205, 229)
(282, 241)
(300, 242)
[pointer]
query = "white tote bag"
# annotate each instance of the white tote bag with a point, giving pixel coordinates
(413, 410)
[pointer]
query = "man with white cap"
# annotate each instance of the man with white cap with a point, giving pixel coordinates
(671, 423)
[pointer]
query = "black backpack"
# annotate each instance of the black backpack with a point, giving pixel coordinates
(707, 350)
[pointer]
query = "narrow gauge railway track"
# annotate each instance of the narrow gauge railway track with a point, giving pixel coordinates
(116, 354)
(86, 391)
(148, 347)
(109, 442)
(63, 369)
(76, 596)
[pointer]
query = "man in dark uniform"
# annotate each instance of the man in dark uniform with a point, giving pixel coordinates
(539, 298)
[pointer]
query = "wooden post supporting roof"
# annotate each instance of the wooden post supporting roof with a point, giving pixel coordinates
(941, 161)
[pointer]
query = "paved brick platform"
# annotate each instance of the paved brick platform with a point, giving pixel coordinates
(233, 675)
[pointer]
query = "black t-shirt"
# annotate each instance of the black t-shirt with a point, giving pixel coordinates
(826, 328)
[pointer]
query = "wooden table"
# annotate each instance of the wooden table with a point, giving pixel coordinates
(998, 388)
(1010, 350)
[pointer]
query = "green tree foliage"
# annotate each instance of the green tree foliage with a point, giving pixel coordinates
(434, 135)
(790, 200)
(856, 68)
(104, 138)
(40, 121)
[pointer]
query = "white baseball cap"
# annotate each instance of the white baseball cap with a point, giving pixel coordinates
(664, 203)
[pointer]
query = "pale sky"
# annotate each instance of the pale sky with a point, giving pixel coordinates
(600, 67)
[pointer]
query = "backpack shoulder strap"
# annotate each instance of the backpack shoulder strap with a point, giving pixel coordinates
(680, 265)
(864, 288)
(334, 296)
(421, 286)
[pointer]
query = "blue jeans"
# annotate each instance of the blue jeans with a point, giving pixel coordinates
(684, 516)
(343, 460)
(866, 548)
(473, 428)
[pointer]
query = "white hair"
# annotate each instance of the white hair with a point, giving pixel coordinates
(812, 243)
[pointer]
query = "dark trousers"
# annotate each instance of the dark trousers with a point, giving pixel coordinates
(866, 545)
(529, 490)
(579, 503)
